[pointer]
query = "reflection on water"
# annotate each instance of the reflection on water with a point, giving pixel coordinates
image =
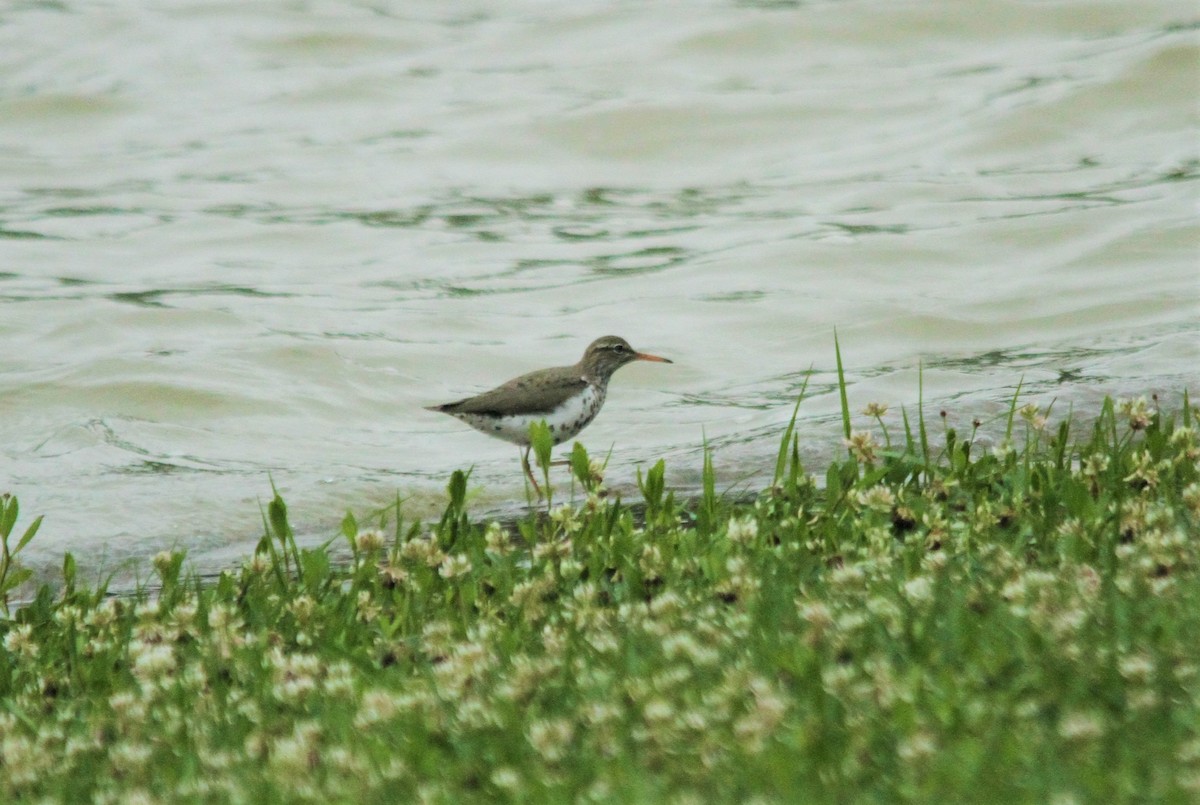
(246, 245)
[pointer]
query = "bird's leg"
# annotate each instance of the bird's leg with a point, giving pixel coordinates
(529, 472)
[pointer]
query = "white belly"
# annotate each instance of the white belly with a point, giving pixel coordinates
(564, 421)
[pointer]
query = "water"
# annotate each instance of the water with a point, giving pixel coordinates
(243, 242)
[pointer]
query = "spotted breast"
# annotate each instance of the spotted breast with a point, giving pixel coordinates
(565, 420)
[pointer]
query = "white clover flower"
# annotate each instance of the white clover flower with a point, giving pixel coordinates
(103, 615)
(295, 674)
(23, 759)
(1095, 465)
(651, 561)
(127, 707)
(223, 619)
(1040, 579)
(603, 642)
(877, 498)
(848, 576)
(497, 539)
(679, 644)
(339, 679)
(183, 616)
(1191, 497)
(368, 608)
(862, 445)
(765, 715)
(564, 516)
(1184, 438)
(597, 713)
(127, 757)
(1068, 622)
(151, 661)
(67, 615)
(138, 796)
(290, 755)
(259, 564)
(550, 738)
(458, 564)
(742, 530)
(919, 590)
(376, 706)
(1079, 726)
(302, 608)
(528, 593)
(850, 621)
(422, 551)
(666, 606)
(585, 593)
(1137, 411)
(696, 720)
(817, 615)
(506, 779)
(916, 747)
(391, 572)
(554, 549)
(370, 540)
(1136, 667)
(1144, 699)
(658, 711)
(163, 560)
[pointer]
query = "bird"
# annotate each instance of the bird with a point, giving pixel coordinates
(567, 398)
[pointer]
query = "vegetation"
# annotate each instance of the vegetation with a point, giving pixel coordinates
(1019, 624)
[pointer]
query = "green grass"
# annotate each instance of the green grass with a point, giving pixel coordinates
(1019, 624)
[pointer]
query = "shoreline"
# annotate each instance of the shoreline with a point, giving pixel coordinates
(932, 619)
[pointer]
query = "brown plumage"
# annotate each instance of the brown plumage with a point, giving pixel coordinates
(566, 397)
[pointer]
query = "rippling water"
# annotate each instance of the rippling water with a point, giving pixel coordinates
(250, 240)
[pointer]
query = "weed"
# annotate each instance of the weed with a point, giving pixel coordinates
(1018, 624)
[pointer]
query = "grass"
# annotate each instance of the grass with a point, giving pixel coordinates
(1020, 624)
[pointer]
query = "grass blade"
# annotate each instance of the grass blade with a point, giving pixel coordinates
(785, 442)
(837, 349)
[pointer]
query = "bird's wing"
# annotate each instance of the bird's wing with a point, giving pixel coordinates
(534, 393)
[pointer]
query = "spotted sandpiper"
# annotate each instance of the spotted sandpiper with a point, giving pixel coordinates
(566, 397)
